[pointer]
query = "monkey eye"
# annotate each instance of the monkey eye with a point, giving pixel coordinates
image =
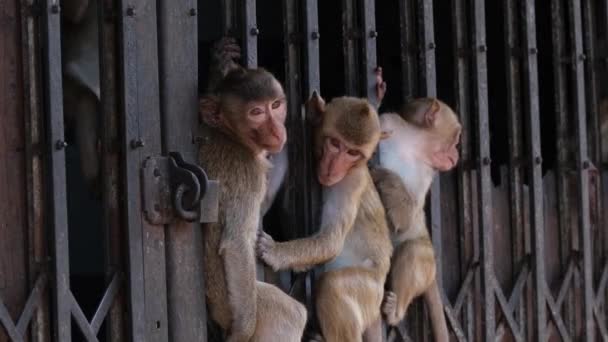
(354, 153)
(256, 111)
(333, 144)
(276, 104)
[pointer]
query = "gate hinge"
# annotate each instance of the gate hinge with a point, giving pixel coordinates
(173, 188)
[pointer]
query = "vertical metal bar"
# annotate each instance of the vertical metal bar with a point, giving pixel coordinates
(228, 24)
(148, 307)
(369, 62)
(484, 185)
(34, 137)
(250, 33)
(178, 39)
(582, 162)
(568, 236)
(512, 50)
(57, 186)
(531, 104)
(312, 82)
(461, 88)
(408, 47)
(591, 74)
(110, 164)
(349, 45)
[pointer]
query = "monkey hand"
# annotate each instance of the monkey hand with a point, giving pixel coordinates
(224, 54)
(266, 250)
(389, 308)
(380, 85)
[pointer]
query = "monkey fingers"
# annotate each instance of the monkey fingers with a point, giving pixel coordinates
(389, 307)
(380, 85)
(265, 247)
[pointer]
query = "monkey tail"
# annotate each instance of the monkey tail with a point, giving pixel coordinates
(432, 297)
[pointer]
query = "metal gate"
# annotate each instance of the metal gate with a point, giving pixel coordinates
(519, 228)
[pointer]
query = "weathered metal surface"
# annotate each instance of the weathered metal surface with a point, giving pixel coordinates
(484, 185)
(141, 122)
(113, 227)
(55, 147)
(534, 159)
(582, 162)
(350, 35)
(368, 45)
(250, 33)
(407, 42)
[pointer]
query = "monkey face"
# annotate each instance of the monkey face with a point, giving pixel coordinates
(337, 158)
(266, 124)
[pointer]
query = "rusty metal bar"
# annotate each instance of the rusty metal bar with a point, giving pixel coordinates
(484, 183)
(110, 164)
(531, 106)
(178, 51)
(369, 61)
(141, 122)
(350, 33)
(568, 236)
(250, 34)
(582, 162)
(591, 78)
(461, 85)
(37, 249)
(56, 152)
(407, 26)
(228, 19)
(511, 55)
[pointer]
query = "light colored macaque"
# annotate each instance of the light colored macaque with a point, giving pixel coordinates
(353, 239)
(424, 140)
(81, 87)
(244, 121)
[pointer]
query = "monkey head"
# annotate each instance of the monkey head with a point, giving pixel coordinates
(249, 105)
(347, 133)
(437, 134)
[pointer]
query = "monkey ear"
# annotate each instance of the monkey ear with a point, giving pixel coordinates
(315, 107)
(386, 134)
(209, 110)
(431, 114)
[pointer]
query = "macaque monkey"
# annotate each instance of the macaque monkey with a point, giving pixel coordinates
(81, 88)
(424, 140)
(353, 238)
(244, 121)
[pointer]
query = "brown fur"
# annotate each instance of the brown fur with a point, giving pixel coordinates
(248, 310)
(424, 133)
(353, 239)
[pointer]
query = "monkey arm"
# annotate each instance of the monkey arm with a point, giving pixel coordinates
(339, 213)
(236, 250)
(399, 206)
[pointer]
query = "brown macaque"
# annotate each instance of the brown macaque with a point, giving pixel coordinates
(81, 88)
(353, 239)
(243, 121)
(424, 140)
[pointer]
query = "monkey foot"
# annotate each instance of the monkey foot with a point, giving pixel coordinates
(389, 308)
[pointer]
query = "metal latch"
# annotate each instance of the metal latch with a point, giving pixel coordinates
(173, 188)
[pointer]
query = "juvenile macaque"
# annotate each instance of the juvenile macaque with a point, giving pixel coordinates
(353, 238)
(424, 141)
(244, 120)
(81, 91)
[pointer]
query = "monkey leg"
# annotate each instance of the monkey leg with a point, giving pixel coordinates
(348, 302)
(432, 297)
(412, 272)
(280, 318)
(374, 332)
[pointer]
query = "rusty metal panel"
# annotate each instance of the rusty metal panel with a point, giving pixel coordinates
(408, 45)
(484, 186)
(56, 152)
(179, 105)
(141, 122)
(368, 57)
